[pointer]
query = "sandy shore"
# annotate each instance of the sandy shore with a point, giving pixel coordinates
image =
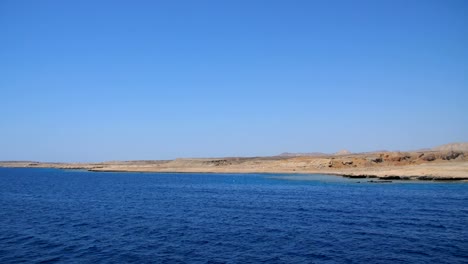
(429, 165)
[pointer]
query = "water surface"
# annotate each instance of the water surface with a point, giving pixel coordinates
(49, 215)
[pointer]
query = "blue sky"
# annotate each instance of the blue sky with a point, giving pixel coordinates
(119, 80)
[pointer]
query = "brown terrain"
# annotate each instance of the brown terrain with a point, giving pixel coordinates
(448, 162)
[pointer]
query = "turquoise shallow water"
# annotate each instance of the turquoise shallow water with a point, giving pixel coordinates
(49, 216)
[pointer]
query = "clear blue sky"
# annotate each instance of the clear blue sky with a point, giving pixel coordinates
(118, 80)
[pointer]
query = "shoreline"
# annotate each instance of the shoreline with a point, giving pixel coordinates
(370, 178)
(371, 175)
(350, 176)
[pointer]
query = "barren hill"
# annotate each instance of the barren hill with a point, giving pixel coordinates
(462, 147)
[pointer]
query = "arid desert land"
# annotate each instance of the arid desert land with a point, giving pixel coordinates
(438, 165)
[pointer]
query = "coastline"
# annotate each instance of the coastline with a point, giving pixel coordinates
(429, 165)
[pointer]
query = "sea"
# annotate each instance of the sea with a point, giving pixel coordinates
(74, 216)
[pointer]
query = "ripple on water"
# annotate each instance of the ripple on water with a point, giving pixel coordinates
(51, 216)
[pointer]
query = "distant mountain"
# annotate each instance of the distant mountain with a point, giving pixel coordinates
(289, 154)
(343, 152)
(462, 146)
(422, 149)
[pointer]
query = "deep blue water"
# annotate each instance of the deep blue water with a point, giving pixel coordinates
(49, 215)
